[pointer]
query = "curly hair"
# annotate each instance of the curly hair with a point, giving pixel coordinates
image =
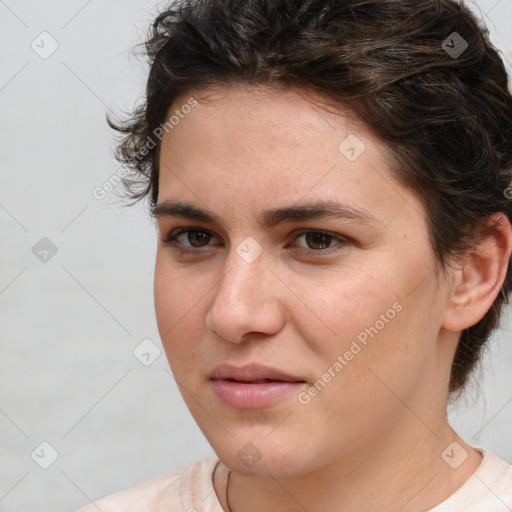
(423, 75)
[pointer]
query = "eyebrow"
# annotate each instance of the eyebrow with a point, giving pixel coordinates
(271, 217)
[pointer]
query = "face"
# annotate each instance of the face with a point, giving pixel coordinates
(295, 285)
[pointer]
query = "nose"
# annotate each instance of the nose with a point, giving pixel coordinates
(246, 301)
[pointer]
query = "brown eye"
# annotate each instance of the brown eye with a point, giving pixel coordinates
(318, 240)
(198, 238)
(189, 238)
(317, 243)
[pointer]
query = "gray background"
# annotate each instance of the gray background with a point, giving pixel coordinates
(69, 326)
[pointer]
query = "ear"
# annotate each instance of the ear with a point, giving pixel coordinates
(478, 280)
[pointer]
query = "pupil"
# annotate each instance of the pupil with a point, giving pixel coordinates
(322, 239)
(199, 237)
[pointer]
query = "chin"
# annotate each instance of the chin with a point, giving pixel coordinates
(261, 457)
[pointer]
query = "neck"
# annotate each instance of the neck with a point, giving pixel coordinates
(405, 473)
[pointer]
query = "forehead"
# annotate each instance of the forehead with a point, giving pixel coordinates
(274, 145)
(269, 111)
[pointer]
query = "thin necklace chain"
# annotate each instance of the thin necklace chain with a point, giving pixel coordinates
(227, 493)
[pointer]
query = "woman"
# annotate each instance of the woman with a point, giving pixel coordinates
(329, 181)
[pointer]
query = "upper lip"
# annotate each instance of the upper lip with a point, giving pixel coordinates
(250, 373)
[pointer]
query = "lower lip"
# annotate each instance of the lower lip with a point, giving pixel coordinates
(239, 395)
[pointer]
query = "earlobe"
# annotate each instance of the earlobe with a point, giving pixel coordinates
(479, 279)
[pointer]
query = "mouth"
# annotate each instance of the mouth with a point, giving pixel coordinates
(259, 381)
(252, 386)
(252, 373)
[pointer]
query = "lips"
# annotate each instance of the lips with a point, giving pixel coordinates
(252, 373)
(259, 381)
(252, 386)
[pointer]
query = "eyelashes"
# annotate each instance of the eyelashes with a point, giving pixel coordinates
(193, 240)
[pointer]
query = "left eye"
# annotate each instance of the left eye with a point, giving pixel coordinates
(320, 240)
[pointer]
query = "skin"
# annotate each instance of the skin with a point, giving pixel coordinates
(373, 437)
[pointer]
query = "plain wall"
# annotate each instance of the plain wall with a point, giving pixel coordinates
(69, 326)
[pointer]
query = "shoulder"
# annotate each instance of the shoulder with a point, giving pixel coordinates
(171, 491)
(489, 489)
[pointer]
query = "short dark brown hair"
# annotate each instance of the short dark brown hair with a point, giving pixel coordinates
(400, 66)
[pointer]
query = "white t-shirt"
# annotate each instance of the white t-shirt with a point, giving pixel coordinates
(190, 489)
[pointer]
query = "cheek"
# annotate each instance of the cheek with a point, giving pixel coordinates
(379, 348)
(370, 320)
(343, 306)
(165, 298)
(180, 299)
(177, 291)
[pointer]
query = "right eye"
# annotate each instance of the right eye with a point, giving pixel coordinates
(188, 240)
